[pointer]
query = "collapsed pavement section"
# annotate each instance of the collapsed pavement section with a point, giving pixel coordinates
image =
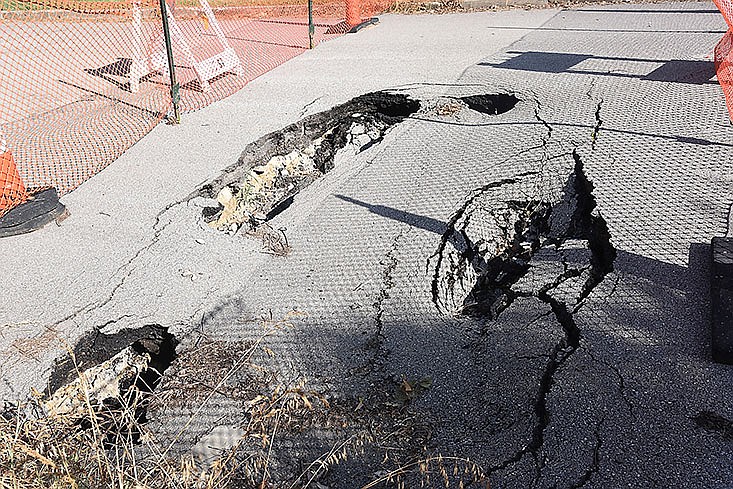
(273, 169)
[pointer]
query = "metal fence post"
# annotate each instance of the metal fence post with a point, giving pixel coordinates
(175, 89)
(311, 25)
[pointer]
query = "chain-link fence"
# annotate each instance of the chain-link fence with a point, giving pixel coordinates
(82, 81)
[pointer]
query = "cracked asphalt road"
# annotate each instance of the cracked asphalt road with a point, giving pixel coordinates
(585, 368)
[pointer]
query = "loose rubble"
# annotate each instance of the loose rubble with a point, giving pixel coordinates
(272, 170)
(98, 384)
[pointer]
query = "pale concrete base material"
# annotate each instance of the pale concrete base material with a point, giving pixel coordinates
(58, 277)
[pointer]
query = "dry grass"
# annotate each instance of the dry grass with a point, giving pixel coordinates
(444, 472)
(102, 448)
(97, 452)
(110, 446)
(411, 7)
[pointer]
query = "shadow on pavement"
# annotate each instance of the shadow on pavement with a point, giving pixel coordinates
(674, 70)
(640, 378)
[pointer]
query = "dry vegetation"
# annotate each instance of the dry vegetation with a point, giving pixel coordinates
(63, 452)
(111, 446)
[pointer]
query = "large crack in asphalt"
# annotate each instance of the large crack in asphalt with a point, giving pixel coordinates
(595, 459)
(128, 267)
(597, 114)
(514, 233)
(599, 123)
(548, 127)
(376, 341)
(274, 168)
(622, 390)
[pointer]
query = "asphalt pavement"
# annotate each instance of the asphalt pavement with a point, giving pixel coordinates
(525, 289)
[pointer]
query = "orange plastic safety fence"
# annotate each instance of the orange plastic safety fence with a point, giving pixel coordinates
(724, 54)
(724, 67)
(67, 107)
(81, 81)
(260, 35)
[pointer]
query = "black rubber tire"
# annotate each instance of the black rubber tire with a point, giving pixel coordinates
(41, 208)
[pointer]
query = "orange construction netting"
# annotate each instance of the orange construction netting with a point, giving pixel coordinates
(724, 54)
(12, 189)
(82, 81)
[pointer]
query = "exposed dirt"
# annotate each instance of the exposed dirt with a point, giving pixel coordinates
(114, 376)
(273, 169)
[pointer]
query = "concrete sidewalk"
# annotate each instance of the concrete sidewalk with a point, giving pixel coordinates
(577, 356)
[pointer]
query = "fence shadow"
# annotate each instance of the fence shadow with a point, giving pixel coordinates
(673, 71)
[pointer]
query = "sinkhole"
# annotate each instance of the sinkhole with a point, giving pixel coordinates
(491, 104)
(273, 169)
(497, 248)
(111, 378)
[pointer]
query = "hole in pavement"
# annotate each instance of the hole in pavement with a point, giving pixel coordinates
(490, 247)
(118, 372)
(489, 295)
(714, 423)
(273, 169)
(492, 104)
(555, 250)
